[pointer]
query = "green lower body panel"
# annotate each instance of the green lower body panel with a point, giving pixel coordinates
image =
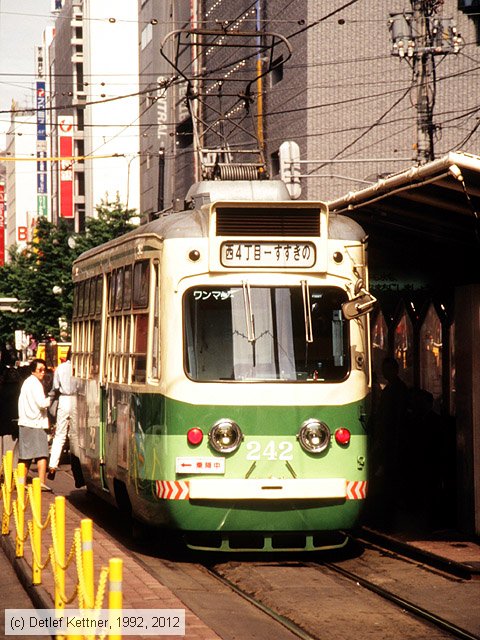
(268, 494)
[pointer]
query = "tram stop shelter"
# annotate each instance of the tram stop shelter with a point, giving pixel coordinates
(423, 232)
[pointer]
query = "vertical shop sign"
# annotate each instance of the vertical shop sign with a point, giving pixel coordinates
(65, 136)
(42, 206)
(41, 112)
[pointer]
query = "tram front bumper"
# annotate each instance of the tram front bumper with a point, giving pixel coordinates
(267, 489)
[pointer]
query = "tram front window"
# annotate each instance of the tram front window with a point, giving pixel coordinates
(266, 333)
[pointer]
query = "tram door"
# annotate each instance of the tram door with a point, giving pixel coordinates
(102, 434)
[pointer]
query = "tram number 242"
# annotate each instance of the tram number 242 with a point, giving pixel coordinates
(271, 450)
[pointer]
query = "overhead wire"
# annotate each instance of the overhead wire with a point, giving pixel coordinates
(345, 5)
(323, 18)
(368, 129)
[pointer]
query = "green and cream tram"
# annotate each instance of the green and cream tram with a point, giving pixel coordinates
(221, 359)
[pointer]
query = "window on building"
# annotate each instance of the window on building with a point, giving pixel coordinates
(146, 37)
(277, 70)
(184, 133)
(472, 9)
(469, 6)
(80, 120)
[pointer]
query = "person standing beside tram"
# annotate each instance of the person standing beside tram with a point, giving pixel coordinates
(62, 385)
(33, 421)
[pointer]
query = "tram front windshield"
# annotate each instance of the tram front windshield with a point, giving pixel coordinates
(266, 333)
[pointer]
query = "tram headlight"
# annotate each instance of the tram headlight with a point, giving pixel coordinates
(225, 436)
(314, 436)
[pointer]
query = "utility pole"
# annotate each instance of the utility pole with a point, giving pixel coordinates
(417, 37)
(424, 79)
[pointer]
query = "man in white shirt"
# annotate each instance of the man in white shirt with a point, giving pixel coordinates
(33, 421)
(62, 384)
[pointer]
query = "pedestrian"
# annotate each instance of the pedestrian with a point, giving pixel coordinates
(62, 385)
(33, 421)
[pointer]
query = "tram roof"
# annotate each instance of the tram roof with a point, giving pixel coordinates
(439, 200)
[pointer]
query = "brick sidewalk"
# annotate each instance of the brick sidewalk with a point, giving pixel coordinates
(140, 589)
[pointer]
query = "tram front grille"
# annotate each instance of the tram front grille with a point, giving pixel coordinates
(272, 221)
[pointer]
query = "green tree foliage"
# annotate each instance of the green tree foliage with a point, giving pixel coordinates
(112, 220)
(40, 275)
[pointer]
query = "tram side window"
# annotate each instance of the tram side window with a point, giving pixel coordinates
(119, 290)
(127, 327)
(93, 293)
(81, 330)
(117, 369)
(81, 289)
(99, 296)
(112, 289)
(75, 300)
(140, 354)
(87, 328)
(141, 279)
(127, 287)
(97, 334)
(75, 327)
(141, 284)
(86, 297)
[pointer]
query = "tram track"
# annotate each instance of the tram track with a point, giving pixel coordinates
(285, 622)
(339, 596)
(419, 612)
(367, 536)
(415, 608)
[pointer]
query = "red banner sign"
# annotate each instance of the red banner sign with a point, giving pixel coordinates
(65, 131)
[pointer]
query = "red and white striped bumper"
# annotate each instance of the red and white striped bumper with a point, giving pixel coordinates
(261, 489)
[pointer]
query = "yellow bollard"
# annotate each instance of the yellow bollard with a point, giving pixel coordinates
(115, 592)
(7, 502)
(21, 479)
(86, 528)
(59, 570)
(36, 508)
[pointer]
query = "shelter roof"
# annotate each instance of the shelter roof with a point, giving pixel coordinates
(439, 200)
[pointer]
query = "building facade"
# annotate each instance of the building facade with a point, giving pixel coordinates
(21, 179)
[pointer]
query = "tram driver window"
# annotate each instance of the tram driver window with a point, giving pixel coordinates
(222, 344)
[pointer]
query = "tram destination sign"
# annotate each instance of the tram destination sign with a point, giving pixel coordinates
(278, 255)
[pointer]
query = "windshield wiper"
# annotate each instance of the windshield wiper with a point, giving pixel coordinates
(249, 318)
(307, 312)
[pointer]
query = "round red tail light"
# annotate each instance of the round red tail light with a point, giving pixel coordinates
(194, 435)
(342, 435)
